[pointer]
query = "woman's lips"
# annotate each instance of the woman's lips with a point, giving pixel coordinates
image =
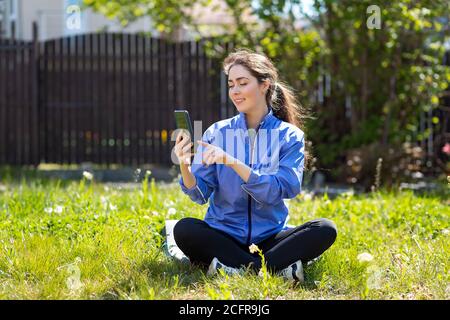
(238, 101)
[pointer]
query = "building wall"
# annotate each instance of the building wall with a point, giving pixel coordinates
(8, 16)
(52, 18)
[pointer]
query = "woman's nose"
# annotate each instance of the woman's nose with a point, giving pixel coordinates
(235, 90)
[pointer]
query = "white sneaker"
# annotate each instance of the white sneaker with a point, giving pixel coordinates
(294, 272)
(216, 265)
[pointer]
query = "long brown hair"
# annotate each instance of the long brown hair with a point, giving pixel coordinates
(279, 95)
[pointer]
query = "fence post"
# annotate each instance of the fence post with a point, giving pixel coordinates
(13, 30)
(35, 127)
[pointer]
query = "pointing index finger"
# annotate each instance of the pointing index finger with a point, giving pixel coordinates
(203, 143)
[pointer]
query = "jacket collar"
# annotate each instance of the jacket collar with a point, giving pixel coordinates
(242, 119)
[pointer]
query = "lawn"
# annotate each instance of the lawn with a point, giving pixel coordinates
(87, 240)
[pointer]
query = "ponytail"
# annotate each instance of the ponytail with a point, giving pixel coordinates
(286, 107)
(284, 104)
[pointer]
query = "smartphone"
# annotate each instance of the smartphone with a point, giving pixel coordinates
(183, 121)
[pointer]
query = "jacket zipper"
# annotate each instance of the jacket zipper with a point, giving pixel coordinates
(249, 220)
(249, 236)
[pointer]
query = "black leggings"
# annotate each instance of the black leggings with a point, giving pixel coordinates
(201, 244)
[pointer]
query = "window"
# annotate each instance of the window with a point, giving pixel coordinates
(12, 9)
(2, 10)
(12, 19)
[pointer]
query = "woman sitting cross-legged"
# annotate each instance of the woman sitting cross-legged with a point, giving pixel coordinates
(246, 166)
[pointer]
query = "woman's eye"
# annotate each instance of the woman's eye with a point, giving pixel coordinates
(241, 84)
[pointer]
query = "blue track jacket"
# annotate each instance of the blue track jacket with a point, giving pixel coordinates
(250, 212)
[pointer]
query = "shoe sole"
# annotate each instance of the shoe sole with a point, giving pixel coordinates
(211, 269)
(294, 272)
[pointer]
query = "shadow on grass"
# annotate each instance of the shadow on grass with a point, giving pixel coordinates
(173, 280)
(166, 277)
(312, 273)
(28, 175)
(442, 193)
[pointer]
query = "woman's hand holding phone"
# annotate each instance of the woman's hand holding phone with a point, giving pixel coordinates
(183, 148)
(183, 152)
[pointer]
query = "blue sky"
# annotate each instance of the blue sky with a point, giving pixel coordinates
(307, 6)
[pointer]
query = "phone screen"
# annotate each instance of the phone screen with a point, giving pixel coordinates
(183, 121)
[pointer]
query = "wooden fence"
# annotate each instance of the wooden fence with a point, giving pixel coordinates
(19, 112)
(102, 98)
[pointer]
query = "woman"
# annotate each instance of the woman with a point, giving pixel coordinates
(246, 182)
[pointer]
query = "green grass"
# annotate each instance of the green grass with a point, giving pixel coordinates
(105, 243)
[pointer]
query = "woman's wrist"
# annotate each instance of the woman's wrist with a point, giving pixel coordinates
(229, 161)
(240, 168)
(188, 178)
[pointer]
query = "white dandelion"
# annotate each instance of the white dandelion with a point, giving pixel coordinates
(253, 248)
(308, 196)
(59, 209)
(171, 211)
(168, 203)
(364, 257)
(88, 176)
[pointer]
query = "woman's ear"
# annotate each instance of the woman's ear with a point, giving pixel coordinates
(265, 86)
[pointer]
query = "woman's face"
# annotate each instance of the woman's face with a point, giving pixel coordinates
(245, 91)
